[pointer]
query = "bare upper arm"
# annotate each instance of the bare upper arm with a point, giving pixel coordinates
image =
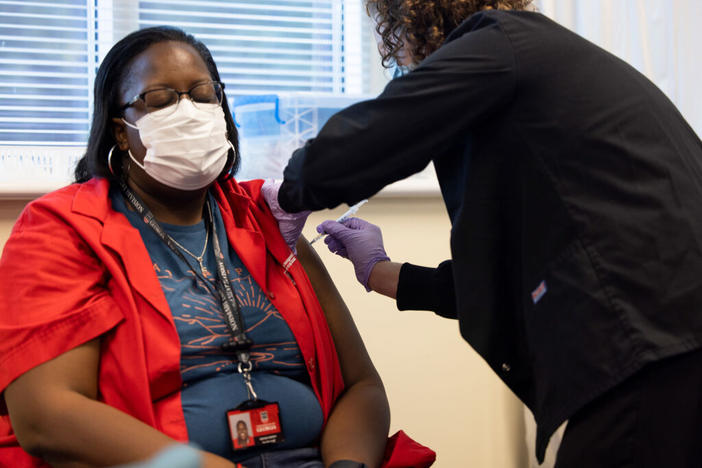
(356, 364)
(36, 391)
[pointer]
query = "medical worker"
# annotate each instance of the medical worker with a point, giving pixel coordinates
(574, 188)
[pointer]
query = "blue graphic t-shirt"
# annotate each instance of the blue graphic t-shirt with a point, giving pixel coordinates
(211, 384)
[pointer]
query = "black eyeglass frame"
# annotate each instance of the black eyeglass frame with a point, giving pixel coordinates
(140, 96)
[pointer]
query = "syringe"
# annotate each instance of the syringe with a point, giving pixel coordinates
(351, 211)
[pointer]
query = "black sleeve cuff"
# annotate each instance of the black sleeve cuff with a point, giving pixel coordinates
(414, 288)
(421, 288)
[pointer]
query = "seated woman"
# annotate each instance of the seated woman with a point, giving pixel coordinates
(155, 301)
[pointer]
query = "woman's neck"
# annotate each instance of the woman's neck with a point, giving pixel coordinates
(172, 206)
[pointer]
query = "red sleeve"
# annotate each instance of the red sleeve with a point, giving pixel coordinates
(53, 291)
(252, 189)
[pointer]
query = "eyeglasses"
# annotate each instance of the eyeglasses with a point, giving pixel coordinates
(210, 92)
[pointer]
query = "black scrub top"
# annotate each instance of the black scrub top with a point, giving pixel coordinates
(574, 189)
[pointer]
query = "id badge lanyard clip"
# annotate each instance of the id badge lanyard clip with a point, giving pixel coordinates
(245, 372)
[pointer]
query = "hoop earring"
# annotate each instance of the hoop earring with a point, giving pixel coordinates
(226, 173)
(109, 159)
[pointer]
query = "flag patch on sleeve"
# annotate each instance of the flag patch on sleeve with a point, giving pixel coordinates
(539, 292)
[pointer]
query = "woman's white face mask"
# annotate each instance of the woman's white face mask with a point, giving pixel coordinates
(186, 148)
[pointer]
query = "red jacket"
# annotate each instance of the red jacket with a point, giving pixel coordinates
(75, 269)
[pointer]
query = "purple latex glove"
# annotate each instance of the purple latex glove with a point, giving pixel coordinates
(290, 224)
(359, 241)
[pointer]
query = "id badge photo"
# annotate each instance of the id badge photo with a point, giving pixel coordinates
(255, 423)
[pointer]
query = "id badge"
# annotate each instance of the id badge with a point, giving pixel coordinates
(254, 424)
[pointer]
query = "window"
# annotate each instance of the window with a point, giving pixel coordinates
(263, 47)
(46, 72)
(50, 50)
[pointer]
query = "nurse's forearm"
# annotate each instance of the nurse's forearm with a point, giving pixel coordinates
(384, 278)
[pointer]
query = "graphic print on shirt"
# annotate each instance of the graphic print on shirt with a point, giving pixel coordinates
(211, 383)
(203, 330)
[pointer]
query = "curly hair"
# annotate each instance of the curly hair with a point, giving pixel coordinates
(422, 25)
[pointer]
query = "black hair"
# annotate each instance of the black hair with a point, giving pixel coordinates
(111, 75)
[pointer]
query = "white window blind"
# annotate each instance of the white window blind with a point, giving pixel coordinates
(46, 71)
(272, 46)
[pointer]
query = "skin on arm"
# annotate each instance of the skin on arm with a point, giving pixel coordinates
(359, 422)
(384, 278)
(56, 416)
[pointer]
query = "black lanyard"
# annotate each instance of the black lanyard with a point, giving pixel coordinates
(239, 342)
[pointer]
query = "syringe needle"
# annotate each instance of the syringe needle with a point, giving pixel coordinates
(351, 211)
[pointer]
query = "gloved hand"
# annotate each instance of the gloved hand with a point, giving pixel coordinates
(359, 241)
(290, 224)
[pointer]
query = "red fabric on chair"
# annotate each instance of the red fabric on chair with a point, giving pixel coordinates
(403, 452)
